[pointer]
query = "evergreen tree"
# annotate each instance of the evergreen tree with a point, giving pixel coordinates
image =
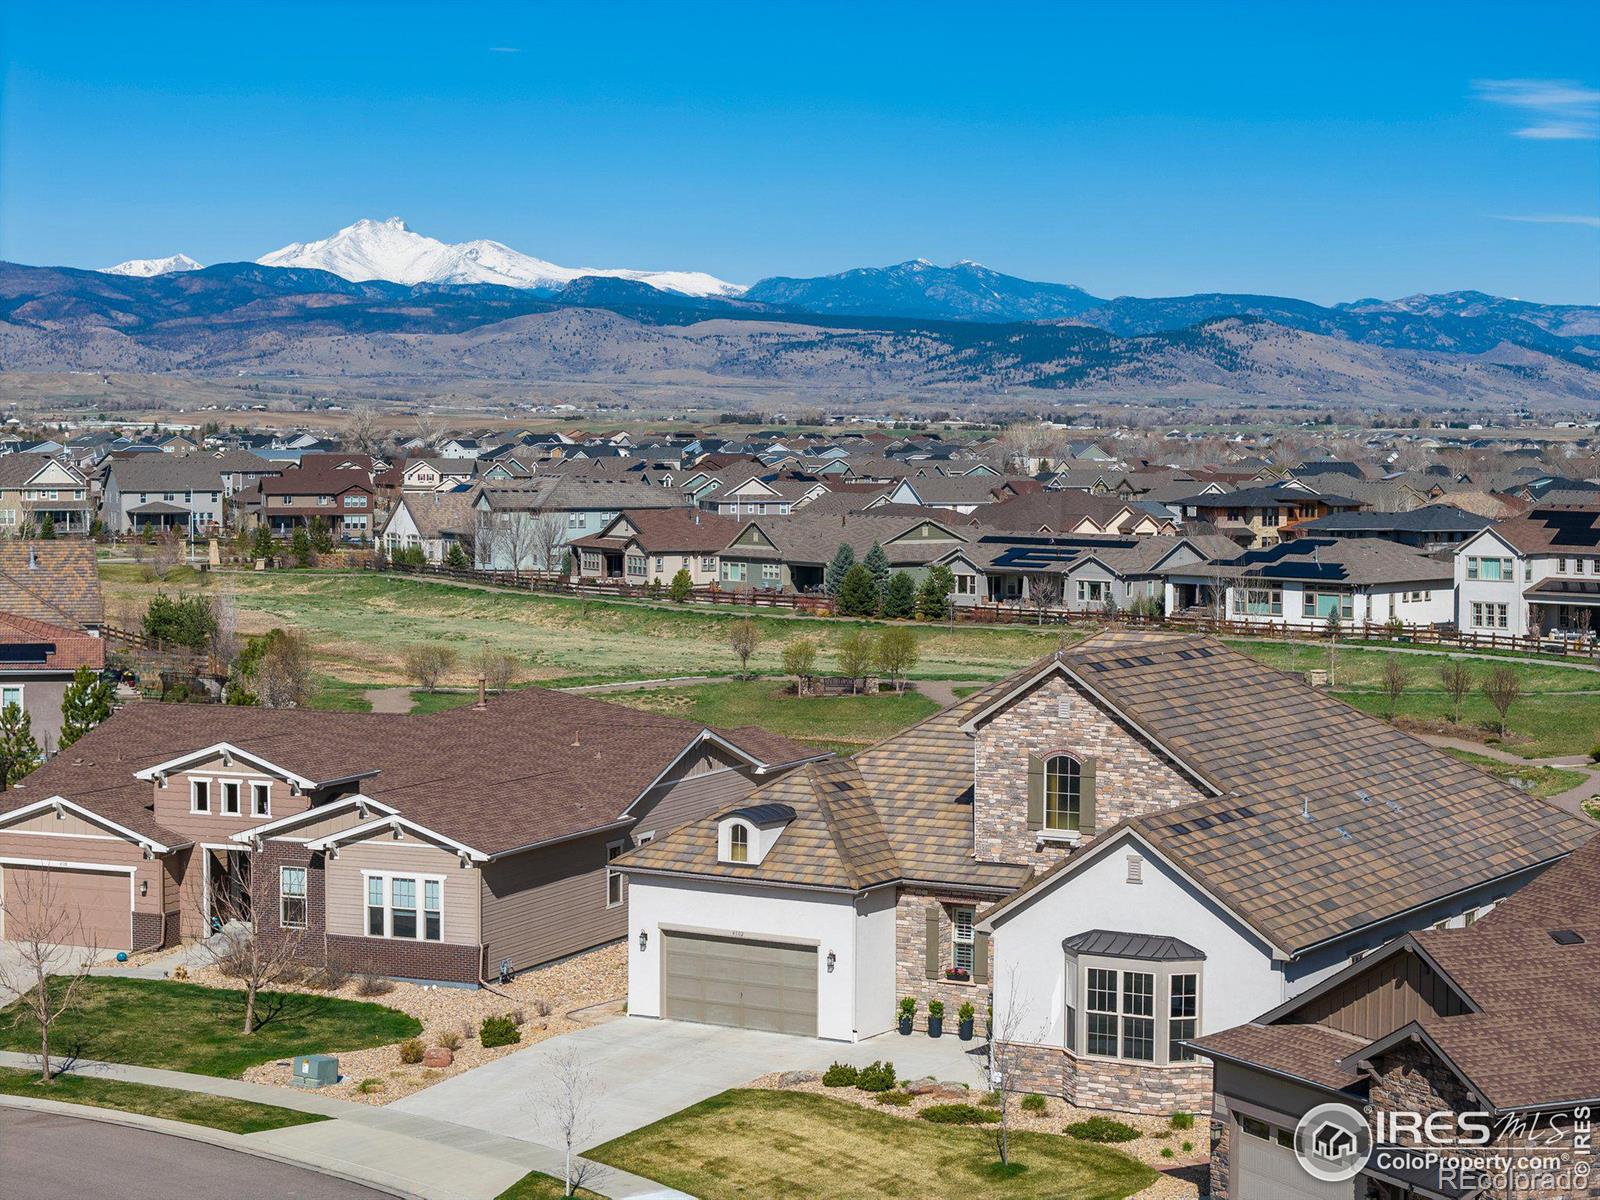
(85, 703)
(456, 557)
(858, 595)
(300, 544)
(878, 563)
(833, 578)
(184, 621)
(900, 599)
(47, 528)
(933, 597)
(19, 753)
(321, 536)
(682, 586)
(264, 546)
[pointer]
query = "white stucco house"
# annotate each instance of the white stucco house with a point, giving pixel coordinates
(1537, 573)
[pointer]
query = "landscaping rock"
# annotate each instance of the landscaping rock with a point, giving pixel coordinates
(929, 1086)
(438, 1056)
(795, 1078)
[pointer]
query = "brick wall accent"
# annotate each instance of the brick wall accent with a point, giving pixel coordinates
(910, 937)
(1130, 777)
(172, 928)
(441, 961)
(272, 856)
(149, 930)
(1144, 1089)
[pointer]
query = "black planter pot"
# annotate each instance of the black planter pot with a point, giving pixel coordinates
(965, 1030)
(935, 1026)
(905, 1026)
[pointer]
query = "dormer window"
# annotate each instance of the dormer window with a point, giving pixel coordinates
(738, 843)
(746, 835)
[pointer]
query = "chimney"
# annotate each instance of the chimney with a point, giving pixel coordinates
(483, 694)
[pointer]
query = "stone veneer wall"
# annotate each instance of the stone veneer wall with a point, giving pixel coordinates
(1130, 777)
(1221, 1149)
(1142, 1088)
(910, 936)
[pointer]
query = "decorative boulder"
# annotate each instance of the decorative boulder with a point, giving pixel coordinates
(795, 1078)
(438, 1056)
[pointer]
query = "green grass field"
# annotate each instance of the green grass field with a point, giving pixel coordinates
(1537, 781)
(361, 623)
(195, 1108)
(187, 1027)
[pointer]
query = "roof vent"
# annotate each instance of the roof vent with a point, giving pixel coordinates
(1364, 796)
(33, 558)
(1566, 937)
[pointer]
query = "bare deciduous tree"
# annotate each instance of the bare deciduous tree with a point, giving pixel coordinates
(1028, 446)
(50, 954)
(282, 676)
(364, 437)
(1457, 680)
(497, 669)
(1008, 1011)
(1503, 687)
(1044, 593)
(569, 1096)
(1396, 678)
(426, 662)
(236, 945)
(224, 639)
(743, 638)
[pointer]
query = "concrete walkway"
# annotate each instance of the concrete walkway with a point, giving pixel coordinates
(644, 1070)
(412, 1154)
(390, 699)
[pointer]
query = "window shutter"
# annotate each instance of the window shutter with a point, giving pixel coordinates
(980, 958)
(1035, 792)
(1086, 796)
(930, 952)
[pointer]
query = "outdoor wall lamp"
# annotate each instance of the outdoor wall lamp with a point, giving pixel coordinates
(644, 939)
(832, 958)
(144, 887)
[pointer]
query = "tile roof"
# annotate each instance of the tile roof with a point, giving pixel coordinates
(52, 581)
(70, 648)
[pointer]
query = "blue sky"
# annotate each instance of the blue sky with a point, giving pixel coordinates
(1329, 151)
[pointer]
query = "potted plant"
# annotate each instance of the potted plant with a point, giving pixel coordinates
(965, 1014)
(935, 1018)
(959, 974)
(908, 1010)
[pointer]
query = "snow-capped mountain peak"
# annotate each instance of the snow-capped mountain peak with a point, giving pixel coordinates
(146, 267)
(391, 251)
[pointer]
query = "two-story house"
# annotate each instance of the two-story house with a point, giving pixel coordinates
(1126, 845)
(339, 496)
(167, 493)
(528, 526)
(36, 486)
(1260, 517)
(419, 846)
(1534, 574)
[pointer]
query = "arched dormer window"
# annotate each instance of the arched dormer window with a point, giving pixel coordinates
(1063, 793)
(738, 843)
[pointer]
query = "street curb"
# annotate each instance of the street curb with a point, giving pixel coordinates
(199, 1133)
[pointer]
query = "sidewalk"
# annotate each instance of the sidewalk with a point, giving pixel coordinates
(416, 1156)
(1572, 799)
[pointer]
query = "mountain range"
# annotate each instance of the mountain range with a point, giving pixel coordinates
(451, 312)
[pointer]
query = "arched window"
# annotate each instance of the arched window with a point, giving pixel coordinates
(738, 843)
(1063, 793)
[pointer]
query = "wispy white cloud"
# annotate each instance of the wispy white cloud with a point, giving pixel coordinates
(505, 49)
(1553, 219)
(1560, 109)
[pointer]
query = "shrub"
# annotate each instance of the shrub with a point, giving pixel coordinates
(450, 1040)
(1188, 1147)
(1166, 1152)
(1101, 1129)
(498, 1031)
(1594, 754)
(908, 1006)
(840, 1075)
(897, 1098)
(367, 1086)
(959, 1114)
(936, 1009)
(542, 1007)
(682, 587)
(518, 1017)
(411, 1051)
(331, 976)
(1183, 1120)
(966, 1011)
(1033, 1102)
(991, 1099)
(878, 1077)
(374, 985)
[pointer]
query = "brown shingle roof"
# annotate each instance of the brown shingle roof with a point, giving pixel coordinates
(1554, 527)
(1309, 1052)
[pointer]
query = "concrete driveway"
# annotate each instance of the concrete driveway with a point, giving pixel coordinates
(12, 967)
(646, 1069)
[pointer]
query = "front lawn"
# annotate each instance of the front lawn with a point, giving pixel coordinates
(536, 1185)
(1536, 781)
(789, 1144)
(196, 1108)
(187, 1027)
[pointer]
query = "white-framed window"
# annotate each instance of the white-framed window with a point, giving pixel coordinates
(1091, 591)
(261, 799)
(230, 797)
(406, 907)
(199, 795)
(1136, 1011)
(11, 694)
(1258, 602)
(1493, 569)
(738, 843)
(733, 572)
(355, 501)
(574, 520)
(771, 574)
(636, 564)
(1322, 605)
(708, 562)
(292, 897)
(591, 560)
(1489, 616)
(614, 886)
(961, 939)
(966, 585)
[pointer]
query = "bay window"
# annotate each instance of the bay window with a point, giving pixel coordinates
(1132, 1010)
(405, 906)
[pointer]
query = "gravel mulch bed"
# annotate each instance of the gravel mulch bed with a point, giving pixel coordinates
(1156, 1133)
(550, 1000)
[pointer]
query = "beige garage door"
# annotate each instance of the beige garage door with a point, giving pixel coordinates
(1265, 1170)
(97, 903)
(731, 981)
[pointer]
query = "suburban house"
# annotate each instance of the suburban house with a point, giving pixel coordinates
(36, 486)
(1495, 1019)
(340, 496)
(651, 545)
(1077, 512)
(1259, 517)
(961, 493)
(1537, 573)
(792, 553)
(1083, 574)
(1305, 582)
(167, 493)
(51, 610)
(395, 843)
(1432, 527)
(241, 469)
(527, 526)
(755, 493)
(1126, 845)
(431, 522)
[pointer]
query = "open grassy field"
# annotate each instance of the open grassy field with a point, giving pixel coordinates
(360, 625)
(195, 1108)
(790, 1145)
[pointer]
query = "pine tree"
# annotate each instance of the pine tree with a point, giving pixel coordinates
(858, 595)
(264, 546)
(682, 586)
(301, 545)
(47, 528)
(933, 596)
(456, 557)
(19, 753)
(878, 563)
(833, 578)
(85, 703)
(321, 536)
(900, 600)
